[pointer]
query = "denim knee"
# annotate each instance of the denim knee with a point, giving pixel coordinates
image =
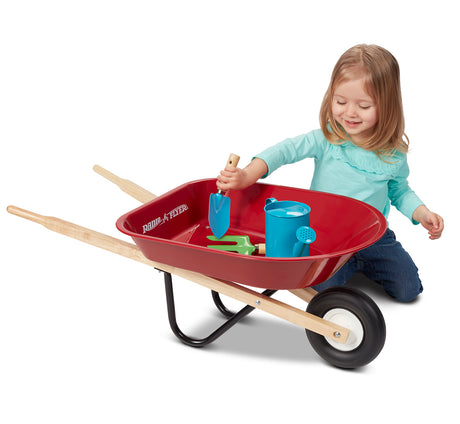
(388, 264)
(406, 292)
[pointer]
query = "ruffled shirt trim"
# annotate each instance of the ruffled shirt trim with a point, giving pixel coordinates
(365, 160)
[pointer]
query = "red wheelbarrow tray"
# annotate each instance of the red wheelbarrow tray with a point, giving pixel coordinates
(172, 229)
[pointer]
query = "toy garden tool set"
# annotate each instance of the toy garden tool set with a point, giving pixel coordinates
(285, 232)
(344, 326)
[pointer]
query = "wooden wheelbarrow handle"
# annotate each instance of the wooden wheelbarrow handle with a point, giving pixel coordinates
(235, 291)
(83, 234)
(127, 186)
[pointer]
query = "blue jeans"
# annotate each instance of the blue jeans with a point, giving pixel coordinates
(386, 263)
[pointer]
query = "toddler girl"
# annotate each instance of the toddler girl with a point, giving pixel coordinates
(360, 152)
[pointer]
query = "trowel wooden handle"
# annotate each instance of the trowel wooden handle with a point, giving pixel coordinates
(233, 160)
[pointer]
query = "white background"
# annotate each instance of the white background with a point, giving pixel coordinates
(160, 92)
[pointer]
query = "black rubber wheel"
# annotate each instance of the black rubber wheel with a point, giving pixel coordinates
(356, 311)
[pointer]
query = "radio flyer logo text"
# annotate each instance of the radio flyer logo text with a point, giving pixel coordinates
(165, 218)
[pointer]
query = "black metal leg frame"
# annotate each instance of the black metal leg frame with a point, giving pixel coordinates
(233, 318)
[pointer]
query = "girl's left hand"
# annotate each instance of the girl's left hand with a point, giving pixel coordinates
(430, 220)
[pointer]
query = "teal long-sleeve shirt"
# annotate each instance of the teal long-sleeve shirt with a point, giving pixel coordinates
(349, 170)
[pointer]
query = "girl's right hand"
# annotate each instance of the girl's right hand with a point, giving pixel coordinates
(236, 178)
(232, 178)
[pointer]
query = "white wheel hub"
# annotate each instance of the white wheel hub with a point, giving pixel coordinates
(348, 320)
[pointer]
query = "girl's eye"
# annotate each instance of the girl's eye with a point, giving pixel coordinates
(340, 102)
(364, 107)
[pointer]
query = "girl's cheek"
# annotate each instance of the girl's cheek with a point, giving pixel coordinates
(336, 110)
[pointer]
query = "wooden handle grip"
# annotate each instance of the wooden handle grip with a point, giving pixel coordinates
(31, 216)
(127, 186)
(233, 160)
(261, 248)
(86, 235)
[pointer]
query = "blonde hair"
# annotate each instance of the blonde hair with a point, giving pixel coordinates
(382, 82)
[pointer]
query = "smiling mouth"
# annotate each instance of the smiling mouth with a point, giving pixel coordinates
(352, 123)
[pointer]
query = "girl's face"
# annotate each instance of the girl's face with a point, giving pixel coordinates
(355, 110)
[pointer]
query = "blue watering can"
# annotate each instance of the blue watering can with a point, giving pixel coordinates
(287, 228)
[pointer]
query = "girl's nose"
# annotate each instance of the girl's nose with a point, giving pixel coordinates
(351, 110)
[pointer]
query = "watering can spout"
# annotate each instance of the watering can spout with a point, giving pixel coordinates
(305, 236)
